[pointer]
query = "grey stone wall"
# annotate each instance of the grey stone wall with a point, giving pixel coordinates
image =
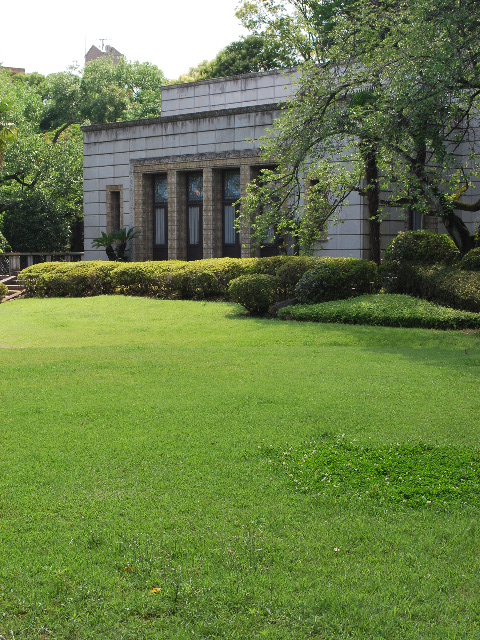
(241, 91)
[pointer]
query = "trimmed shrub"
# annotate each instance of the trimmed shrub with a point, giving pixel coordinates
(421, 247)
(290, 272)
(142, 278)
(256, 292)
(450, 286)
(446, 285)
(199, 280)
(337, 278)
(3, 291)
(471, 260)
(68, 280)
(384, 310)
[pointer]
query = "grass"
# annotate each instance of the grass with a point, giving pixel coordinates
(384, 310)
(143, 495)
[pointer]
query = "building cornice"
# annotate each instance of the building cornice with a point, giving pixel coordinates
(197, 115)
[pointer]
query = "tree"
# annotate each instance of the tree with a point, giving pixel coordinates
(41, 199)
(393, 113)
(7, 129)
(252, 54)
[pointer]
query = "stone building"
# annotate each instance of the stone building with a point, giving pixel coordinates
(176, 178)
(110, 52)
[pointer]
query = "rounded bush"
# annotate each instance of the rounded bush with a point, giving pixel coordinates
(337, 278)
(422, 247)
(471, 260)
(290, 272)
(3, 291)
(256, 292)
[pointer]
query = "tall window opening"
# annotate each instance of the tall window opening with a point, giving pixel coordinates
(195, 216)
(231, 194)
(160, 218)
(115, 196)
(114, 208)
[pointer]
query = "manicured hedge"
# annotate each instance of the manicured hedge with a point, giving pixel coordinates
(449, 286)
(424, 264)
(199, 280)
(384, 310)
(169, 279)
(337, 278)
(471, 260)
(256, 292)
(3, 291)
(421, 247)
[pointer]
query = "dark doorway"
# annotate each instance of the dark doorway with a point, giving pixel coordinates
(231, 193)
(195, 216)
(160, 218)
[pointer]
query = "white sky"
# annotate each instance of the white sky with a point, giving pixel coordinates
(50, 35)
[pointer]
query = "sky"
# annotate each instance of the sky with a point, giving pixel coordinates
(175, 35)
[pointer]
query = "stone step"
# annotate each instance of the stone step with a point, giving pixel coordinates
(12, 296)
(14, 288)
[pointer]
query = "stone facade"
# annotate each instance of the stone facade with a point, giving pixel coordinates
(209, 127)
(94, 53)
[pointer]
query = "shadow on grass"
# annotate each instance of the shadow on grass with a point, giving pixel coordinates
(454, 348)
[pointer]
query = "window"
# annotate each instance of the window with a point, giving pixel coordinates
(231, 194)
(160, 217)
(114, 208)
(415, 221)
(115, 196)
(194, 216)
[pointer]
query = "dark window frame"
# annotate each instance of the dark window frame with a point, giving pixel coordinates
(229, 202)
(160, 251)
(194, 250)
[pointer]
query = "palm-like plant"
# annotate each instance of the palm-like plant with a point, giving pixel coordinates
(116, 242)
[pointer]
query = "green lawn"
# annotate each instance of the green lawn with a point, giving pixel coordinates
(156, 477)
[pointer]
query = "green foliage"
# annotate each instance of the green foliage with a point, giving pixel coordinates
(290, 272)
(204, 279)
(385, 310)
(446, 285)
(337, 278)
(41, 181)
(116, 243)
(7, 129)
(122, 91)
(256, 292)
(421, 247)
(251, 54)
(3, 291)
(67, 279)
(471, 260)
(409, 474)
(4, 245)
(34, 223)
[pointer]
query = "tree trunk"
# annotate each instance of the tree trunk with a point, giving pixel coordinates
(458, 231)
(369, 155)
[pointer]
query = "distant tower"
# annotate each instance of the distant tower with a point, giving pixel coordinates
(94, 53)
